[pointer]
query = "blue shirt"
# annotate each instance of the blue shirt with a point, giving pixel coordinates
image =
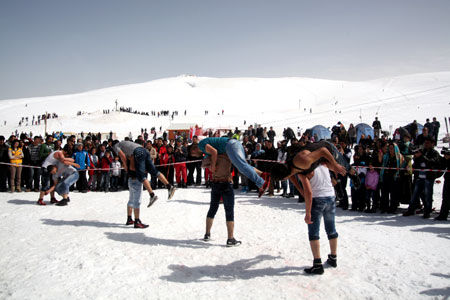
(81, 158)
(218, 143)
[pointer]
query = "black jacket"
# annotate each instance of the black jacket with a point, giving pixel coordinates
(4, 154)
(428, 160)
(270, 154)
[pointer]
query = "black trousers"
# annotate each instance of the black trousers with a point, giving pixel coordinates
(3, 177)
(389, 194)
(445, 207)
(194, 167)
(82, 184)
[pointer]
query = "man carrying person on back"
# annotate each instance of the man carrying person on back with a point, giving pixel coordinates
(319, 202)
(140, 160)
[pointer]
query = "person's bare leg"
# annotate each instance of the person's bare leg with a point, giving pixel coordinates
(147, 186)
(230, 229)
(209, 223)
(333, 246)
(163, 179)
(136, 213)
(129, 211)
(315, 248)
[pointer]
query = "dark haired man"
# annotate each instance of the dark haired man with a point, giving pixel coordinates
(141, 161)
(53, 158)
(426, 158)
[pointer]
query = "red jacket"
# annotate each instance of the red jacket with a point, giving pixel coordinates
(163, 157)
(105, 163)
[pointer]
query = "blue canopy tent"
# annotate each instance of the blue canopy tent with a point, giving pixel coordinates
(320, 131)
(363, 128)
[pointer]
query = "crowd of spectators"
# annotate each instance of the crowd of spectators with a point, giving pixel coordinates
(384, 163)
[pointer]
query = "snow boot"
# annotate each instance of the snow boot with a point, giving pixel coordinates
(63, 202)
(316, 269)
(332, 260)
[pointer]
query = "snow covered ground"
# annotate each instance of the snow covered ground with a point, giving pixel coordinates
(84, 251)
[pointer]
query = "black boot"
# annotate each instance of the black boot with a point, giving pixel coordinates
(316, 269)
(332, 260)
(63, 202)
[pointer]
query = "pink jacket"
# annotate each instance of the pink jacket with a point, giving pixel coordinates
(372, 180)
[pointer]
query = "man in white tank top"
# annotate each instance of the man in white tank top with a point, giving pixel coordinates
(320, 201)
(53, 159)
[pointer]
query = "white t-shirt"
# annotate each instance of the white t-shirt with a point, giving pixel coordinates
(50, 160)
(321, 183)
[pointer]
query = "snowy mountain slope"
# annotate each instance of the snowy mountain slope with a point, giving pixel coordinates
(280, 102)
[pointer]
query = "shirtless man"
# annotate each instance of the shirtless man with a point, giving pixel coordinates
(306, 158)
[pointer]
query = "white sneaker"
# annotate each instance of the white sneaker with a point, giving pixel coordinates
(152, 200)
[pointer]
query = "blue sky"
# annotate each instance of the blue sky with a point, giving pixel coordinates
(62, 47)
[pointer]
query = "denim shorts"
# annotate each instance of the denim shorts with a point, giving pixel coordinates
(135, 189)
(326, 207)
(143, 164)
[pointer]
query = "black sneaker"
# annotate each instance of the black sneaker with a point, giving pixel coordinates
(207, 237)
(233, 243)
(152, 200)
(315, 269)
(63, 202)
(408, 213)
(171, 191)
(426, 215)
(332, 261)
(139, 224)
(440, 218)
(129, 222)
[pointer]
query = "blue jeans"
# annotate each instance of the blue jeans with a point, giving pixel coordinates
(105, 181)
(143, 164)
(236, 153)
(326, 207)
(424, 186)
(225, 191)
(63, 185)
(46, 179)
(338, 156)
(135, 188)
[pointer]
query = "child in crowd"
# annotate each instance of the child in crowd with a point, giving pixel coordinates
(93, 158)
(115, 172)
(371, 182)
(105, 164)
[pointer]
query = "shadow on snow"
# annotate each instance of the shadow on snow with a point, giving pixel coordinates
(141, 239)
(236, 270)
